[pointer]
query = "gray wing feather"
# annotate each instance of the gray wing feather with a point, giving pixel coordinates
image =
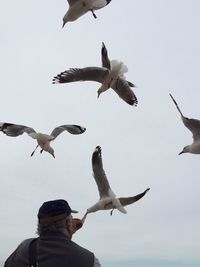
(129, 200)
(193, 125)
(71, 128)
(122, 88)
(96, 74)
(104, 57)
(72, 2)
(99, 173)
(13, 130)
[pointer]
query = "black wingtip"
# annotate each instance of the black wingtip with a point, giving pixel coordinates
(108, 1)
(55, 80)
(83, 129)
(132, 102)
(171, 96)
(3, 127)
(96, 154)
(173, 99)
(97, 149)
(80, 129)
(63, 25)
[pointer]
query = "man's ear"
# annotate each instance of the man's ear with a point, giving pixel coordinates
(69, 228)
(68, 222)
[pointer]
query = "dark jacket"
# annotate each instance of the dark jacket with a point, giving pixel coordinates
(54, 250)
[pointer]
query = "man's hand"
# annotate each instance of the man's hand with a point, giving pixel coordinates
(76, 224)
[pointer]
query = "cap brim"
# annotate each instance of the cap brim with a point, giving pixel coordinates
(74, 211)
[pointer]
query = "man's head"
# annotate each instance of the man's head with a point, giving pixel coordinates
(54, 210)
(55, 215)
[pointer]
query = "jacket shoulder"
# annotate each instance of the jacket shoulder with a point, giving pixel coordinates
(19, 255)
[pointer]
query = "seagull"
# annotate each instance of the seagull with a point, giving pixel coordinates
(194, 126)
(110, 75)
(78, 8)
(43, 140)
(107, 200)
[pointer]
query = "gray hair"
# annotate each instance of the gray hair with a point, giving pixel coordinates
(52, 226)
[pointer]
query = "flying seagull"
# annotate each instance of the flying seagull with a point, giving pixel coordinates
(110, 75)
(107, 200)
(194, 126)
(43, 140)
(78, 8)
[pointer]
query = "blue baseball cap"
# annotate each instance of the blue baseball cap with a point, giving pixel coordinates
(54, 210)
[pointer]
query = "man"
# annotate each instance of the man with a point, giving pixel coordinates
(53, 247)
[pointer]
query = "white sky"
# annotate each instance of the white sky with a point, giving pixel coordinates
(159, 41)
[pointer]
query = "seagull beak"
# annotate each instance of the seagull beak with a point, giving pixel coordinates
(180, 153)
(84, 217)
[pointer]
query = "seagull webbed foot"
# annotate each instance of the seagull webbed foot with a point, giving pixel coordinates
(111, 212)
(34, 151)
(94, 15)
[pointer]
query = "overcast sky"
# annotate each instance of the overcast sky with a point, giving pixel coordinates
(159, 41)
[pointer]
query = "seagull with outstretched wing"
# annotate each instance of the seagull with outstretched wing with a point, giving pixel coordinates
(121, 86)
(78, 8)
(107, 200)
(194, 126)
(43, 140)
(110, 75)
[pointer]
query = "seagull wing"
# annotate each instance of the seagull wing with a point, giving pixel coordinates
(71, 128)
(13, 130)
(124, 91)
(85, 74)
(99, 173)
(97, 4)
(108, 1)
(177, 106)
(104, 57)
(194, 126)
(72, 2)
(129, 200)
